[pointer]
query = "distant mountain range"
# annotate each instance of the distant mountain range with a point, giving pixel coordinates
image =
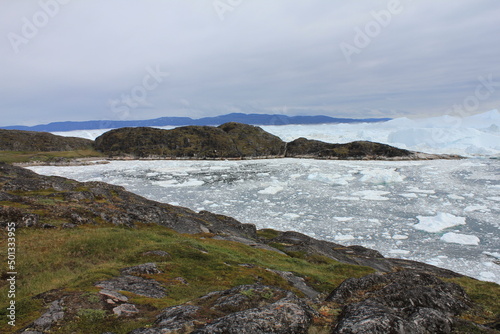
(254, 119)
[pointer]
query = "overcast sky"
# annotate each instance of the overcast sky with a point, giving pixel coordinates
(122, 59)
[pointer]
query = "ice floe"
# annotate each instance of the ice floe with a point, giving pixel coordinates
(463, 239)
(438, 222)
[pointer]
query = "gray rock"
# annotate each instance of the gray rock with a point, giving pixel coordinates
(53, 314)
(30, 220)
(147, 331)
(134, 284)
(142, 269)
(116, 296)
(370, 316)
(125, 310)
(400, 302)
(298, 283)
(286, 316)
(434, 321)
(176, 318)
(156, 253)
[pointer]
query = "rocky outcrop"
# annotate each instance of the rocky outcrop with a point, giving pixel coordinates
(245, 309)
(137, 285)
(292, 242)
(54, 314)
(230, 140)
(18, 140)
(236, 140)
(98, 203)
(401, 302)
(306, 148)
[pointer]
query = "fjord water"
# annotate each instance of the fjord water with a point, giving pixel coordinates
(442, 212)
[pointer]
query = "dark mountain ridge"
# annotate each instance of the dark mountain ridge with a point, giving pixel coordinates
(255, 119)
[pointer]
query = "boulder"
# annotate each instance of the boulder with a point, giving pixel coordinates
(401, 302)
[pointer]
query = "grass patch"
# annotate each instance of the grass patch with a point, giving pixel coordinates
(54, 156)
(486, 294)
(74, 260)
(268, 233)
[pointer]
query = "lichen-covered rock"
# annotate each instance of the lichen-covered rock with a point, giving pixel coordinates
(243, 309)
(230, 140)
(305, 148)
(125, 310)
(142, 269)
(298, 283)
(176, 318)
(19, 140)
(401, 302)
(287, 316)
(252, 141)
(51, 316)
(138, 285)
(114, 295)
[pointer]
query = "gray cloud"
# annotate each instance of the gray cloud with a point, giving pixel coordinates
(264, 56)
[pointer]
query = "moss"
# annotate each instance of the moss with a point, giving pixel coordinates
(268, 233)
(55, 156)
(486, 294)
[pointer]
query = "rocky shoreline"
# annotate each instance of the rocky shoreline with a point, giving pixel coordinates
(229, 141)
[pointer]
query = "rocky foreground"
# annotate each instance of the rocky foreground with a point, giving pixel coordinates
(95, 258)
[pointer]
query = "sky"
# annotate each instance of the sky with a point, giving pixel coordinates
(76, 60)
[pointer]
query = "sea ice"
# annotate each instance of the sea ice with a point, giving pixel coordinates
(409, 195)
(462, 239)
(399, 251)
(333, 179)
(372, 195)
(439, 222)
(271, 190)
(381, 176)
(344, 237)
(472, 208)
(493, 254)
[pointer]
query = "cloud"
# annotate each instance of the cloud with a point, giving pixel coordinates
(263, 56)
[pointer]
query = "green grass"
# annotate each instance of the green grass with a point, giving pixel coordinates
(486, 294)
(20, 157)
(70, 262)
(73, 260)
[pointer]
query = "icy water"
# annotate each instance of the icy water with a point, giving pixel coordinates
(440, 212)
